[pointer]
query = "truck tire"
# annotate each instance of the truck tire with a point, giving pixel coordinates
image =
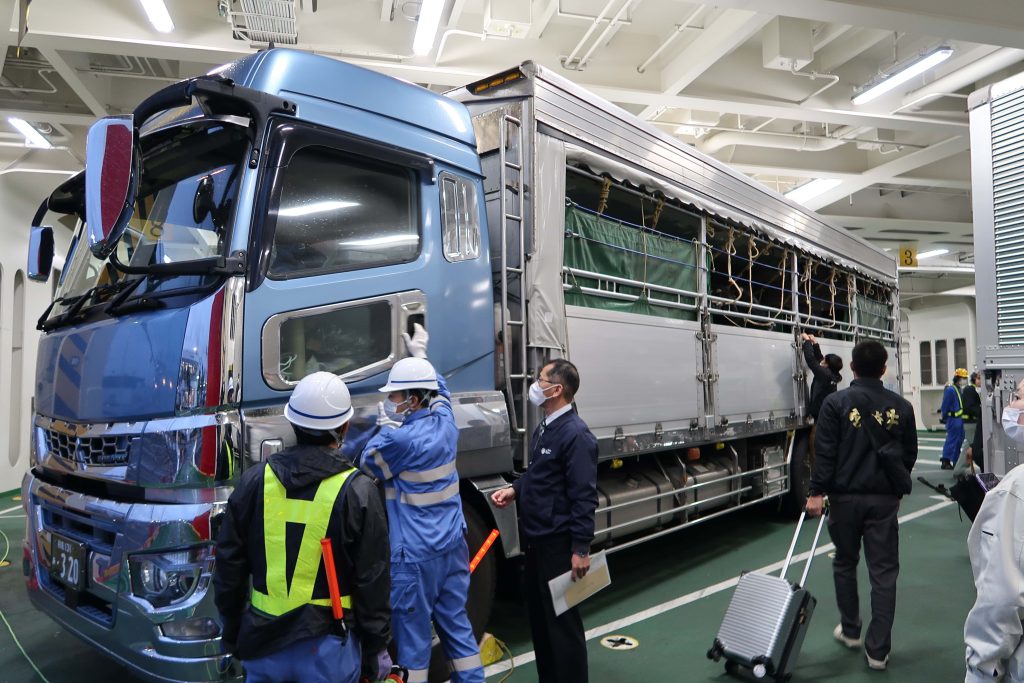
(799, 475)
(482, 585)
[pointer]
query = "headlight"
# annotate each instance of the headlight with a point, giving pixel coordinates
(168, 578)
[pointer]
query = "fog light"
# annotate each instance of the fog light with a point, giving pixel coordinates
(197, 628)
(164, 579)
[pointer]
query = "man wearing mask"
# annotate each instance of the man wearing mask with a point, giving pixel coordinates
(953, 417)
(557, 497)
(993, 630)
(271, 583)
(413, 454)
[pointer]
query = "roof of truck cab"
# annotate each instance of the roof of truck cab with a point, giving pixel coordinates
(282, 71)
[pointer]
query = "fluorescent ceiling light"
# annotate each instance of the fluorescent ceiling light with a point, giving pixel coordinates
(904, 74)
(809, 191)
(158, 15)
(33, 138)
(315, 207)
(426, 26)
(931, 253)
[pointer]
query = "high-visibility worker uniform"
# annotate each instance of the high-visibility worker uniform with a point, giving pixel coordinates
(953, 415)
(429, 556)
(283, 628)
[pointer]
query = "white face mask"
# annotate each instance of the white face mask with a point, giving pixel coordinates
(536, 395)
(392, 411)
(1013, 430)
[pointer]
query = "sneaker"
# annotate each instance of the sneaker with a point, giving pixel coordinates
(877, 664)
(946, 465)
(852, 643)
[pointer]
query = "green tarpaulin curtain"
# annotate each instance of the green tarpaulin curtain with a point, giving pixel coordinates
(872, 314)
(604, 246)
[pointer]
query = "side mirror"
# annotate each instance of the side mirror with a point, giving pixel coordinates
(40, 253)
(111, 180)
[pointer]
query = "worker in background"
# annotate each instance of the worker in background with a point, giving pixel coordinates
(866, 448)
(557, 497)
(993, 630)
(952, 411)
(972, 424)
(271, 584)
(413, 454)
(825, 370)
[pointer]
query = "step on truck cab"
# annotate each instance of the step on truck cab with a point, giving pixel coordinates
(287, 214)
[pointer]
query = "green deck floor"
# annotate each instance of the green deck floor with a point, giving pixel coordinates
(935, 593)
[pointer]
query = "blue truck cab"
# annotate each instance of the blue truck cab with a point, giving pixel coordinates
(285, 214)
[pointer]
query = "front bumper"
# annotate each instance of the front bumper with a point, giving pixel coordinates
(106, 614)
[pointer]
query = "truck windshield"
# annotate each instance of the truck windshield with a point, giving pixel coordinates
(186, 197)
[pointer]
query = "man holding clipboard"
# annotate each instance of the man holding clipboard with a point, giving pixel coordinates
(557, 497)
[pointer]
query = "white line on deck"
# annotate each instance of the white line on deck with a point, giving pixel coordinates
(643, 615)
(4, 512)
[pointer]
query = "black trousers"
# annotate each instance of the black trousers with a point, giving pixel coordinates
(873, 519)
(558, 641)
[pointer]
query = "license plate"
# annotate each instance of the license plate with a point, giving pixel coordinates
(67, 561)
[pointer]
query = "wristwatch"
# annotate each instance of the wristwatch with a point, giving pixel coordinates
(579, 553)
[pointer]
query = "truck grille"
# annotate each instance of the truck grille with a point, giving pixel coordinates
(92, 450)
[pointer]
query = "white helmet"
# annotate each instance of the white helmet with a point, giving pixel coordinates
(320, 401)
(411, 373)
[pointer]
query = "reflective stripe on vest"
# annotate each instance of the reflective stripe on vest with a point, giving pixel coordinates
(960, 400)
(278, 511)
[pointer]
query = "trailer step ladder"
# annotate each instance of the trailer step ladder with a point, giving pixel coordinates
(514, 327)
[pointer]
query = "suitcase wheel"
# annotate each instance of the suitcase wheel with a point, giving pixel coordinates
(731, 667)
(759, 671)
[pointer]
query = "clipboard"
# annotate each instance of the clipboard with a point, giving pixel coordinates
(566, 593)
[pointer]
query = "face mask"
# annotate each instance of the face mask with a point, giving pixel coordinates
(536, 395)
(392, 411)
(1013, 430)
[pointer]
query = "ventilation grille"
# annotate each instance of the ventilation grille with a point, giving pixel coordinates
(1008, 205)
(97, 450)
(262, 21)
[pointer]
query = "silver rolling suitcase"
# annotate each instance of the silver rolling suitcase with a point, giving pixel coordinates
(765, 623)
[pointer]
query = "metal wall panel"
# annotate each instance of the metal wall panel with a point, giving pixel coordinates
(755, 374)
(1008, 214)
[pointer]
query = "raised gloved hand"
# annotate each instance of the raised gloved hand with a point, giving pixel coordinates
(384, 420)
(417, 344)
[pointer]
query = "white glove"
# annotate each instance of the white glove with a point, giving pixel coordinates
(383, 421)
(417, 344)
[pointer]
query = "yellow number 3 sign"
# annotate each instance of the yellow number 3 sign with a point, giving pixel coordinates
(908, 255)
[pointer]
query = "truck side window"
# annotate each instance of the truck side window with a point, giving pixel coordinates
(460, 218)
(342, 212)
(341, 340)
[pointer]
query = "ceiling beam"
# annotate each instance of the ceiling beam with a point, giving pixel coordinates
(543, 12)
(912, 181)
(884, 173)
(74, 80)
(955, 229)
(991, 22)
(750, 106)
(718, 39)
(50, 116)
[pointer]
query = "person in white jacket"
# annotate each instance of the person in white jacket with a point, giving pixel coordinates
(993, 630)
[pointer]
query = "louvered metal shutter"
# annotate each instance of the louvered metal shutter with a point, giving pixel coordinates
(1008, 205)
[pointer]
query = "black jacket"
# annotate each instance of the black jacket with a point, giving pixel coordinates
(825, 380)
(972, 404)
(558, 493)
(845, 460)
(359, 533)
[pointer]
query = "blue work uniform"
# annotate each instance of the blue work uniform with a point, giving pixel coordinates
(952, 414)
(429, 556)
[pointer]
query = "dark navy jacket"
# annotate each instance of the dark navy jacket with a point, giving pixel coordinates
(558, 493)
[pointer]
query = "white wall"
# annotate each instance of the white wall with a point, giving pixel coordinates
(929, 320)
(20, 195)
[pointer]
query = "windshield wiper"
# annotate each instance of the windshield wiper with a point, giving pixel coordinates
(124, 303)
(75, 304)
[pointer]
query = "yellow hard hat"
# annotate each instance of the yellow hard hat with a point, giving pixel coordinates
(960, 372)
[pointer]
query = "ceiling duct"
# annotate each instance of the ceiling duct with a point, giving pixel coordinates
(262, 21)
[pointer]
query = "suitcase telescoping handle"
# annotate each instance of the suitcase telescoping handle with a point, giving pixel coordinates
(814, 546)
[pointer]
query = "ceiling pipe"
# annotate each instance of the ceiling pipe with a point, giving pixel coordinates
(965, 76)
(566, 62)
(607, 33)
(671, 38)
(720, 141)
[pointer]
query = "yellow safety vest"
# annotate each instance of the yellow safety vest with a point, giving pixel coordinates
(314, 515)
